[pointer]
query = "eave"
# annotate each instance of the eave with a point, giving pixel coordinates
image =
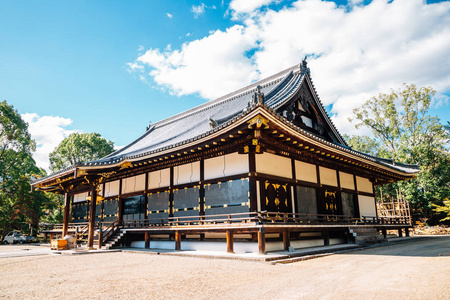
(206, 145)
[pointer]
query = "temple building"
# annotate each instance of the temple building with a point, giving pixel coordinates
(260, 169)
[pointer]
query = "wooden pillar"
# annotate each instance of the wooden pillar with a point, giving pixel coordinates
(326, 237)
(45, 236)
(120, 204)
(146, 197)
(384, 232)
(407, 232)
(230, 241)
(91, 232)
(100, 237)
(147, 240)
(252, 181)
(262, 241)
(294, 176)
(66, 215)
(201, 196)
(171, 193)
(177, 240)
(400, 232)
(286, 240)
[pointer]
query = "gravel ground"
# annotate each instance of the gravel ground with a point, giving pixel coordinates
(413, 270)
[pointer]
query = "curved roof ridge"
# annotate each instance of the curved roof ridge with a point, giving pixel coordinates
(274, 79)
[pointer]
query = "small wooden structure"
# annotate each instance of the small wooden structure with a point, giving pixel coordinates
(264, 163)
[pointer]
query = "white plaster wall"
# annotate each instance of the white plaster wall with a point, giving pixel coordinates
(328, 176)
(298, 244)
(186, 173)
(133, 184)
(346, 181)
(272, 164)
(238, 247)
(80, 197)
(100, 190)
(367, 206)
(112, 188)
(305, 171)
(364, 185)
(226, 165)
(159, 179)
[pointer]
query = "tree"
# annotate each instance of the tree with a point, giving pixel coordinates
(444, 209)
(364, 144)
(20, 208)
(79, 147)
(404, 130)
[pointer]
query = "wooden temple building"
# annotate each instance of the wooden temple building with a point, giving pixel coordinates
(260, 169)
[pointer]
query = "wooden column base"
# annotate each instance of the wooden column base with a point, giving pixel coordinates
(177, 240)
(147, 240)
(286, 240)
(326, 238)
(262, 242)
(230, 242)
(407, 232)
(384, 232)
(400, 233)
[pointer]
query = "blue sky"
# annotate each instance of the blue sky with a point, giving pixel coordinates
(113, 66)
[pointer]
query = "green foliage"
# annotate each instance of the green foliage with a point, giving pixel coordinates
(20, 208)
(79, 147)
(445, 209)
(365, 145)
(404, 130)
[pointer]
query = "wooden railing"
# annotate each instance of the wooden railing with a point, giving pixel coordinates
(107, 229)
(258, 218)
(77, 227)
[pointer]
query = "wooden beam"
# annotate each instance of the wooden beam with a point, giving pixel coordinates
(91, 232)
(326, 237)
(120, 204)
(261, 241)
(230, 241)
(252, 181)
(294, 208)
(147, 240)
(146, 197)
(171, 193)
(286, 239)
(177, 240)
(66, 215)
(201, 199)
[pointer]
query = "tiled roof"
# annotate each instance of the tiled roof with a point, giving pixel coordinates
(277, 89)
(194, 123)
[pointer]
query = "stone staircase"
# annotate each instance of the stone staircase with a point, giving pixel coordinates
(114, 239)
(366, 235)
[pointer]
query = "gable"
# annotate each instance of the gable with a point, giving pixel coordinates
(306, 111)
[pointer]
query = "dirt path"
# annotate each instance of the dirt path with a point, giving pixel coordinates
(414, 270)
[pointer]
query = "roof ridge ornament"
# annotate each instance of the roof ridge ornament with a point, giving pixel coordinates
(257, 98)
(212, 123)
(304, 65)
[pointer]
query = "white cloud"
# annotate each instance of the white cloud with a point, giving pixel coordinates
(48, 132)
(355, 51)
(207, 66)
(198, 10)
(245, 6)
(170, 16)
(140, 48)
